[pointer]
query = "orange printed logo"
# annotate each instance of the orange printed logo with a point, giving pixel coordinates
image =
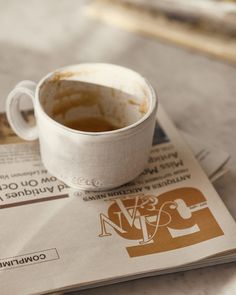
(173, 220)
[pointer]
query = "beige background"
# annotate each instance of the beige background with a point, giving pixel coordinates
(197, 92)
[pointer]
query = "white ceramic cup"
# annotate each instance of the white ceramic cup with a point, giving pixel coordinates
(89, 160)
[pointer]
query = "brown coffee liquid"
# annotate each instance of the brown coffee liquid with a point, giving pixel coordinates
(91, 124)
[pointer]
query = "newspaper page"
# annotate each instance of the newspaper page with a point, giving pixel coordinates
(212, 160)
(56, 238)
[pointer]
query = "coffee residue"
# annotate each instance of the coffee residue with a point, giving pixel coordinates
(91, 124)
(143, 106)
(57, 76)
(70, 98)
(131, 101)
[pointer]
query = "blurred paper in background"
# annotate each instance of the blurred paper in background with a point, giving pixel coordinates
(205, 25)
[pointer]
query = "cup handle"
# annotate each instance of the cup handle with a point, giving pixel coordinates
(14, 116)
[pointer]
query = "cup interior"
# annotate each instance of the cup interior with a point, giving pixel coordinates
(116, 94)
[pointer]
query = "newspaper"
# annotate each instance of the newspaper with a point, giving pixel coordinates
(212, 160)
(55, 238)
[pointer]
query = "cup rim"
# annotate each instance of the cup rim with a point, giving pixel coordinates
(152, 109)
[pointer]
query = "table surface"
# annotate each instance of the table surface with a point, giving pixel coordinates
(198, 93)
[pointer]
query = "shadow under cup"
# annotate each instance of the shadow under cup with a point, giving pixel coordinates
(91, 107)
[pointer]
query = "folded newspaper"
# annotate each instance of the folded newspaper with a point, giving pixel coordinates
(55, 238)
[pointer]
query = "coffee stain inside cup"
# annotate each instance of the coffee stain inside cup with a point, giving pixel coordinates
(72, 98)
(76, 103)
(143, 106)
(88, 100)
(57, 76)
(91, 124)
